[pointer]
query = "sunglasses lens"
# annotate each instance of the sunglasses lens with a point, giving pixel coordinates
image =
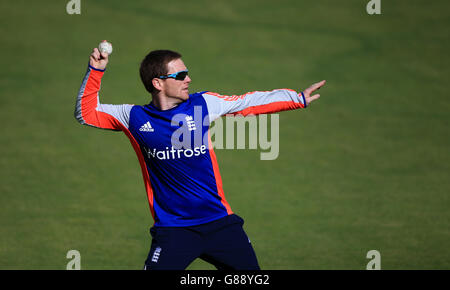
(181, 76)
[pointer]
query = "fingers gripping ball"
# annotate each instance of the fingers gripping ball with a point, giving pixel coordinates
(105, 46)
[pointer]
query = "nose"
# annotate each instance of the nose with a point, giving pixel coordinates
(187, 79)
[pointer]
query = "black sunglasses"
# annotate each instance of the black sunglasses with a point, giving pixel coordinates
(179, 76)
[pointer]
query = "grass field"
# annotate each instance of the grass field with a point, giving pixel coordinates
(365, 167)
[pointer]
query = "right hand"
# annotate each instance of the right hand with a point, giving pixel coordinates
(98, 60)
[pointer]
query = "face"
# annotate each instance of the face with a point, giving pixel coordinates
(175, 89)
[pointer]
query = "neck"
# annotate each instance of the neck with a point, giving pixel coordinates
(165, 103)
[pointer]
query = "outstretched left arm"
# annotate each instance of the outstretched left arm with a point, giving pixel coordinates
(255, 103)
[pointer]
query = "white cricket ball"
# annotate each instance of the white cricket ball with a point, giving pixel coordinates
(105, 46)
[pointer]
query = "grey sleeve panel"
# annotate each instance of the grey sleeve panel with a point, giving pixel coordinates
(120, 112)
(219, 105)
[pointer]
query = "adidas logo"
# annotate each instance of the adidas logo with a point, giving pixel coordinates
(146, 128)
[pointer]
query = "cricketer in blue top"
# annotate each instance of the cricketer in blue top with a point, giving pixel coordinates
(170, 136)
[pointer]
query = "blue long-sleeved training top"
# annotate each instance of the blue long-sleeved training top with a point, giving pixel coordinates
(178, 163)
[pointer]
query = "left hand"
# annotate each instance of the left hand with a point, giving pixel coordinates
(308, 92)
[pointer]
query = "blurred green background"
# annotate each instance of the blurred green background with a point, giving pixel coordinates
(365, 167)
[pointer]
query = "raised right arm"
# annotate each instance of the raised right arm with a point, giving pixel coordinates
(88, 109)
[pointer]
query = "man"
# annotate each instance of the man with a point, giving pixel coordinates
(181, 175)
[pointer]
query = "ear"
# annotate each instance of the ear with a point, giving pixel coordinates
(158, 84)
